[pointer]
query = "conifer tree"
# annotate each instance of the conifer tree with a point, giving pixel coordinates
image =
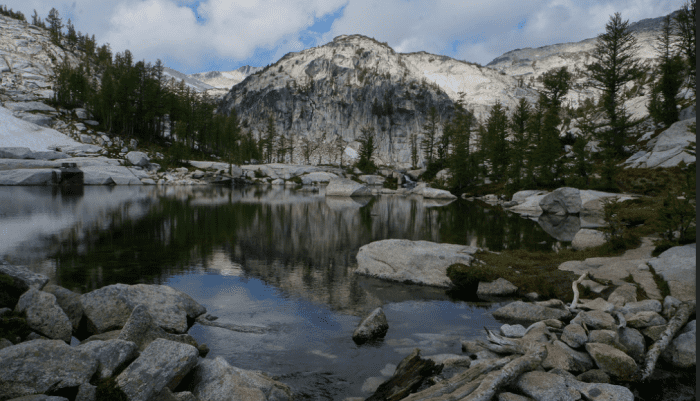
(366, 151)
(663, 103)
(414, 150)
(685, 34)
(556, 85)
(71, 36)
(461, 161)
(430, 128)
(55, 26)
(615, 65)
(270, 136)
(518, 125)
(495, 143)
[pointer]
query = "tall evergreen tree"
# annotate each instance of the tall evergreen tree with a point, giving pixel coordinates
(686, 32)
(495, 143)
(615, 65)
(71, 36)
(518, 125)
(664, 94)
(270, 137)
(556, 85)
(461, 161)
(55, 26)
(430, 129)
(366, 151)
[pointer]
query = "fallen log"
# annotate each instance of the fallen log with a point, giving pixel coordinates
(495, 380)
(677, 322)
(574, 287)
(409, 375)
(460, 385)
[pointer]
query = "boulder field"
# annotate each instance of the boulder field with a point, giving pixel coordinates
(139, 342)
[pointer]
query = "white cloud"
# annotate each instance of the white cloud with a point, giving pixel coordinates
(233, 30)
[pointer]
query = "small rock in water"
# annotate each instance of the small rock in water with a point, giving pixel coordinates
(372, 327)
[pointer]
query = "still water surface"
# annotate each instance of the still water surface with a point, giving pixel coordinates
(271, 257)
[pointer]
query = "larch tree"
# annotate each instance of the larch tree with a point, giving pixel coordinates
(615, 65)
(663, 104)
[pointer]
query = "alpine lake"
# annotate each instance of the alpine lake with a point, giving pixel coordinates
(267, 256)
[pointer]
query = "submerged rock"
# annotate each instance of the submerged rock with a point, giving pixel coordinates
(372, 327)
(420, 262)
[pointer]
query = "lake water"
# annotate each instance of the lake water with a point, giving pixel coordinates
(266, 256)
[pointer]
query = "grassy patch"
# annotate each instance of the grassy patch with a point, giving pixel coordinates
(9, 294)
(529, 271)
(391, 182)
(13, 325)
(661, 283)
(650, 181)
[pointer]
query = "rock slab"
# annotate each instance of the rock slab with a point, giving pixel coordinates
(162, 364)
(420, 262)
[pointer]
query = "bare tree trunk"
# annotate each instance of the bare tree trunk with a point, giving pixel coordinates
(574, 286)
(410, 374)
(462, 384)
(494, 381)
(677, 322)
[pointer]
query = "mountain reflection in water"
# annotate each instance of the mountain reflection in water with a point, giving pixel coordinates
(270, 257)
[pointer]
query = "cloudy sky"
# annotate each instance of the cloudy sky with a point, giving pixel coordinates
(195, 36)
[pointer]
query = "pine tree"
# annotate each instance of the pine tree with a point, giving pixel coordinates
(518, 125)
(55, 26)
(71, 36)
(366, 151)
(556, 85)
(414, 150)
(685, 34)
(461, 161)
(430, 128)
(270, 136)
(664, 94)
(495, 144)
(615, 65)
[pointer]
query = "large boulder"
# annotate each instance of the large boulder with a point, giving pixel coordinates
(44, 315)
(317, 177)
(595, 319)
(528, 312)
(420, 262)
(15, 153)
(586, 238)
(141, 330)
(69, 301)
(434, 193)
(681, 352)
(137, 158)
(106, 174)
(372, 179)
(561, 227)
(498, 288)
(634, 344)
(667, 149)
(110, 354)
(612, 360)
(574, 335)
(162, 364)
(345, 187)
(23, 278)
(562, 201)
(677, 266)
(39, 176)
(216, 380)
(560, 355)
(41, 365)
(372, 327)
(108, 308)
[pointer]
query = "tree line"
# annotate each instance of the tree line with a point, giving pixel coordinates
(524, 149)
(135, 99)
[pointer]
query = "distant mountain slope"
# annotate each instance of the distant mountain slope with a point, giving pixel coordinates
(355, 82)
(193, 83)
(225, 79)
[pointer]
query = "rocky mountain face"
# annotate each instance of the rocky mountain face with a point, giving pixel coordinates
(27, 59)
(192, 83)
(353, 82)
(528, 64)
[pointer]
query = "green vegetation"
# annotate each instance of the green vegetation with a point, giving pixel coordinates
(14, 324)
(9, 294)
(530, 271)
(12, 14)
(366, 151)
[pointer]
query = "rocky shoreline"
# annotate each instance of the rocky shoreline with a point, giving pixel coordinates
(594, 348)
